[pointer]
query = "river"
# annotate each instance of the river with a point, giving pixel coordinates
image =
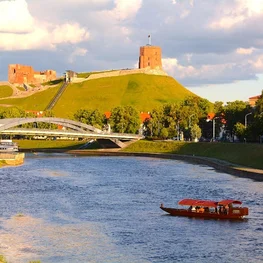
(59, 208)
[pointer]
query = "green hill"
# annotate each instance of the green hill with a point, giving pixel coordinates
(142, 91)
(5, 91)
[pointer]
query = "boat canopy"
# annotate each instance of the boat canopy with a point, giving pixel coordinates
(229, 201)
(197, 202)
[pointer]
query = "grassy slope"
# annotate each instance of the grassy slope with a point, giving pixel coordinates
(37, 101)
(145, 92)
(5, 91)
(250, 155)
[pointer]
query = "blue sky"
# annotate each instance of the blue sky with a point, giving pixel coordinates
(213, 47)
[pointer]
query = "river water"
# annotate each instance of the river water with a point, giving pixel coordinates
(58, 208)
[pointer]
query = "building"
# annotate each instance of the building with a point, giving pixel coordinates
(150, 56)
(70, 75)
(21, 74)
(253, 100)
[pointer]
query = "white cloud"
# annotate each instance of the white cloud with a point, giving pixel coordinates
(70, 33)
(253, 7)
(240, 12)
(15, 17)
(227, 22)
(185, 13)
(206, 71)
(257, 64)
(172, 67)
(78, 52)
(44, 37)
(245, 51)
(125, 9)
(20, 31)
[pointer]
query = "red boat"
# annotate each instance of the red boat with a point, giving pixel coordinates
(224, 209)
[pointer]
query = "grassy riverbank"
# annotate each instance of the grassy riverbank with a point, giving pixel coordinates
(250, 155)
(49, 144)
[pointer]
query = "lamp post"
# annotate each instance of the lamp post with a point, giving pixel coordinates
(214, 126)
(246, 119)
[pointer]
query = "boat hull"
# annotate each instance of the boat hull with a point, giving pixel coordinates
(212, 215)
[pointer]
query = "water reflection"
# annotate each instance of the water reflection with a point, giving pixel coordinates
(106, 209)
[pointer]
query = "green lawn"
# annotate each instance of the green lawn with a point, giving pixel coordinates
(48, 144)
(37, 101)
(250, 155)
(5, 91)
(144, 92)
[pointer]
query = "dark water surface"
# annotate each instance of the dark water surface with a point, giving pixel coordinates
(57, 208)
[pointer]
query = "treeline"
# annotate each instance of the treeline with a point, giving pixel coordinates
(188, 119)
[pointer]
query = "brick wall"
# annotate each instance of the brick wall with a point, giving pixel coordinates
(150, 57)
(19, 74)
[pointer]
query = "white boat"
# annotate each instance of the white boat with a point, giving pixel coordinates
(8, 146)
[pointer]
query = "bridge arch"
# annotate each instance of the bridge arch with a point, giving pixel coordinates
(74, 125)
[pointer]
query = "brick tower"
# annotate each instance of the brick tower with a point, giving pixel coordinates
(150, 56)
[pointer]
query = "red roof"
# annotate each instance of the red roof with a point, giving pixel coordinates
(107, 114)
(255, 97)
(196, 202)
(144, 116)
(229, 201)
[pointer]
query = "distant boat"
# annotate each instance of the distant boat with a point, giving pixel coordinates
(8, 146)
(224, 209)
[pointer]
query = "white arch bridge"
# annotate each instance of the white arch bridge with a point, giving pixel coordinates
(72, 128)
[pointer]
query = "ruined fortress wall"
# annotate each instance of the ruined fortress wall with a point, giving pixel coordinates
(150, 57)
(19, 74)
(116, 73)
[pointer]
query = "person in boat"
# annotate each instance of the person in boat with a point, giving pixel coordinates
(201, 210)
(206, 209)
(190, 208)
(226, 210)
(193, 209)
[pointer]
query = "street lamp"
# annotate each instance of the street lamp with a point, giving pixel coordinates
(214, 126)
(246, 119)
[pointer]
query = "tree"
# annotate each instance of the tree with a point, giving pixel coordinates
(90, 117)
(235, 112)
(240, 131)
(259, 104)
(155, 123)
(125, 119)
(164, 133)
(13, 113)
(196, 132)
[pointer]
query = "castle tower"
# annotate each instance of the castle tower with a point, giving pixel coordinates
(150, 56)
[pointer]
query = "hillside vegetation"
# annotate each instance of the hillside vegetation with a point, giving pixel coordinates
(142, 91)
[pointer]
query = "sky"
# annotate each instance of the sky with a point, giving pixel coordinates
(212, 47)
